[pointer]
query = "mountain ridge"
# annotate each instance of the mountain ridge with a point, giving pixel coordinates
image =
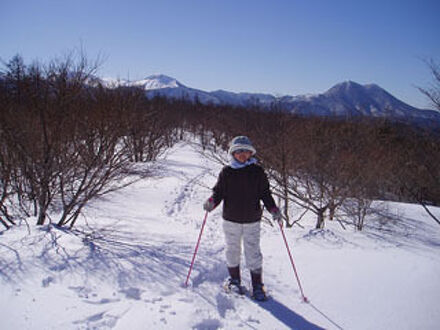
(345, 99)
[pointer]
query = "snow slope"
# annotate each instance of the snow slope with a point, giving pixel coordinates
(124, 265)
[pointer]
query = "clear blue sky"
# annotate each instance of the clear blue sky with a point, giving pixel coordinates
(279, 47)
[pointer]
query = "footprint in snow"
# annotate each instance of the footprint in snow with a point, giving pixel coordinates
(132, 293)
(224, 304)
(208, 324)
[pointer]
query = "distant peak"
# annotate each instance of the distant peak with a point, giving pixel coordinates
(163, 79)
(158, 81)
(348, 86)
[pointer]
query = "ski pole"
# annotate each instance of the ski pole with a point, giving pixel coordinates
(293, 264)
(197, 247)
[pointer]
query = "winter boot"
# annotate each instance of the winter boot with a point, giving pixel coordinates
(258, 291)
(234, 272)
(233, 283)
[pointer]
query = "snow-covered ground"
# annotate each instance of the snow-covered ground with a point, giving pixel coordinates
(124, 265)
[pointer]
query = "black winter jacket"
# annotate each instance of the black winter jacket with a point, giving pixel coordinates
(241, 191)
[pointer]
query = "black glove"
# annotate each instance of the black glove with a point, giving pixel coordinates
(276, 215)
(209, 205)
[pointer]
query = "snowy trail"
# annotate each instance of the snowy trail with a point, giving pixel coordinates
(125, 265)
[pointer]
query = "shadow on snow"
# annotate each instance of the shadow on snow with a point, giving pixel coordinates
(286, 315)
(107, 253)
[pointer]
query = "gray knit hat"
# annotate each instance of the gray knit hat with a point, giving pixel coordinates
(241, 142)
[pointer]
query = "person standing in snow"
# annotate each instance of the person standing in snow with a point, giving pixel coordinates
(241, 185)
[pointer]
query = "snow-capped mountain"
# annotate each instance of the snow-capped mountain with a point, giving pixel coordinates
(158, 81)
(153, 82)
(346, 99)
(162, 85)
(169, 87)
(350, 99)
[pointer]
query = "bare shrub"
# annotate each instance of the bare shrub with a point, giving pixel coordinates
(65, 138)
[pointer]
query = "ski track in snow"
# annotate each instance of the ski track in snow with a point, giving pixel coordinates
(126, 266)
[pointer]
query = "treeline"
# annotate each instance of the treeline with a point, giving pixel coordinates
(66, 139)
(330, 165)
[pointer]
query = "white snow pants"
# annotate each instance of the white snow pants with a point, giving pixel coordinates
(249, 233)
